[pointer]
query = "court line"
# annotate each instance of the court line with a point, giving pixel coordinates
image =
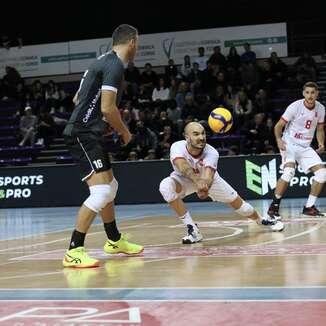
(66, 238)
(236, 232)
(12, 301)
(30, 275)
(296, 235)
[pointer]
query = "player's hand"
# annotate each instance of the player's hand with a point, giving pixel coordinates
(202, 185)
(320, 149)
(281, 145)
(202, 194)
(126, 137)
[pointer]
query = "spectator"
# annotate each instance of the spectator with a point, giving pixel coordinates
(201, 60)
(248, 56)
(217, 58)
(161, 92)
(233, 65)
(132, 77)
(278, 69)
(186, 67)
(149, 77)
(144, 140)
(46, 128)
(242, 107)
(306, 68)
(165, 140)
(171, 70)
(28, 126)
(151, 155)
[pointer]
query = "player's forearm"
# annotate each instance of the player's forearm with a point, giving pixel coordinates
(189, 173)
(113, 117)
(209, 176)
(278, 131)
(320, 135)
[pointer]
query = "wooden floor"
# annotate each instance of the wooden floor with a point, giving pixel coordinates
(236, 262)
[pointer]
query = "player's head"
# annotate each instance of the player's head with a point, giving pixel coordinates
(310, 92)
(195, 135)
(126, 35)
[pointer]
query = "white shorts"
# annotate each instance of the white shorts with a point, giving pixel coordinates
(220, 190)
(306, 157)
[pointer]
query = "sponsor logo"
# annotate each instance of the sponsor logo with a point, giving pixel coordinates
(18, 186)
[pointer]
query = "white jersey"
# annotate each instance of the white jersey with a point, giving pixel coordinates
(208, 157)
(302, 122)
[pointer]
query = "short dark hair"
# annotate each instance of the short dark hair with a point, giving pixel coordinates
(123, 34)
(311, 84)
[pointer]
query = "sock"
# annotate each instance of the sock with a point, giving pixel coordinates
(186, 219)
(112, 231)
(276, 200)
(77, 239)
(311, 201)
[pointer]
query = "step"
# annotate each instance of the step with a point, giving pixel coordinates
(47, 152)
(46, 159)
(58, 146)
(58, 140)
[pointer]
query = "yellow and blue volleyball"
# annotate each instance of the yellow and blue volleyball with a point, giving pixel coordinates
(220, 120)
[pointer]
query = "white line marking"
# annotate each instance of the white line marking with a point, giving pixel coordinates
(29, 275)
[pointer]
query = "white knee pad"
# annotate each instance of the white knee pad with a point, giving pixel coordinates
(245, 209)
(288, 174)
(168, 189)
(101, 195)
(320, 175)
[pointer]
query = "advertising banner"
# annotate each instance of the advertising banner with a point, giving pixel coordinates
(157, 49)
(254, 177)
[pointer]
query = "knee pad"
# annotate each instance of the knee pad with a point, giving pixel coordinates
(101, 195)
(168, 189)
(288, 174)
(320, 175)
(245, 209)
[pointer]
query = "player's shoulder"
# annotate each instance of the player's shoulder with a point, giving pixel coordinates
(296, 104)
(178, 145)
(110, 59)
(209, 149)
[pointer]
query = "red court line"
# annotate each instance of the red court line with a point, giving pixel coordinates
(176, 313)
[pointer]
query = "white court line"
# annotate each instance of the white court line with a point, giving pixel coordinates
(12, 301)
(29, 275)
(236, 232)
(64, 239)
(124, 219)
(296, 235)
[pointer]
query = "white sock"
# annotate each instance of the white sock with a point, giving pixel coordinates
(311, 201)
(186, 219)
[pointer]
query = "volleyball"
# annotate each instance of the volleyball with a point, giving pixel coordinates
(220, 120)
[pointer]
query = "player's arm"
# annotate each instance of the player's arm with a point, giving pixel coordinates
(278, 130)
(187, 171)
(112, 115)
(75, 99)
(208, 176)
(320, 135)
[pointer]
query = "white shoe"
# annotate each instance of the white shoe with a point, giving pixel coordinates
(193, 235)
(272, 224)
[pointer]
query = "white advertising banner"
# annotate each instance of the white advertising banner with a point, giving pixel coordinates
(76, 56)
(36, 60)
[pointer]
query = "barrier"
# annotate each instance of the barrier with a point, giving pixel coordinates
(254, 177)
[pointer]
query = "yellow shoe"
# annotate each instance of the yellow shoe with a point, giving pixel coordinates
(78, 258)
(122, 246)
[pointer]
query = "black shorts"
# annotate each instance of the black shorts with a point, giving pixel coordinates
(89, 151)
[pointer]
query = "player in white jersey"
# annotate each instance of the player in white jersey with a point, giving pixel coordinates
(195, 163)
(300, 121)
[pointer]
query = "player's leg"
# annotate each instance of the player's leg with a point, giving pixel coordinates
(173, 191)
(221, 191)
(117, 242)
(289, 159)
(94, 166)
(311, 161)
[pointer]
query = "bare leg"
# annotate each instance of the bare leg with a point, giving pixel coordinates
(237, 203)
(316, 187)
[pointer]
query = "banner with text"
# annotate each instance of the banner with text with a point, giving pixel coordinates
(157, 49)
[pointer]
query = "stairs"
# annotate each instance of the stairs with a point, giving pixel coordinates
(56, 149)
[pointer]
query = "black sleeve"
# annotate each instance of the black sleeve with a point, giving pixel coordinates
(113, 77)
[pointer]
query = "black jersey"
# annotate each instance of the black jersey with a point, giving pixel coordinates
(106, 73)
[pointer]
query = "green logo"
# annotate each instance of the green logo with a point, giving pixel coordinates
(260, 178)
(2, 194)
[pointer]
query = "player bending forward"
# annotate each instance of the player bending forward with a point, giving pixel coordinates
(195, 163)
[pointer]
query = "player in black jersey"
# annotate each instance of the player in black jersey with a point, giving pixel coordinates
(96, 102)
